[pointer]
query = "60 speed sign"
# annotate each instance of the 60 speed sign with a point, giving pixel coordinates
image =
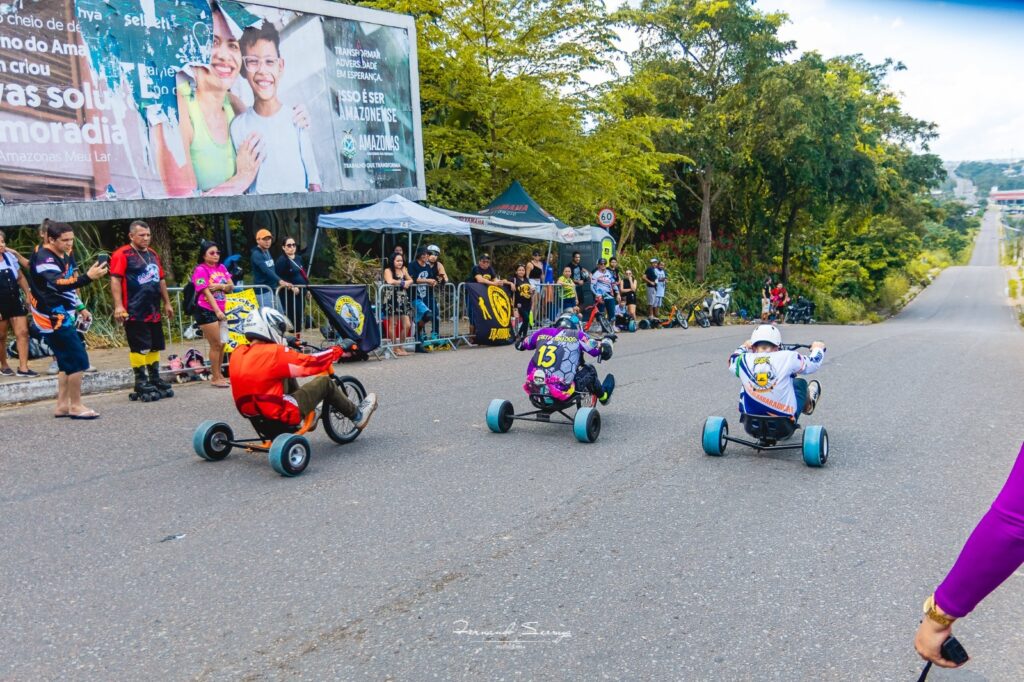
(606, 217)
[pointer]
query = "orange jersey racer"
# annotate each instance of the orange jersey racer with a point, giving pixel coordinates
(260, 373)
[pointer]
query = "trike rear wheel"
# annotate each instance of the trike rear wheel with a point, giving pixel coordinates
(212, 440)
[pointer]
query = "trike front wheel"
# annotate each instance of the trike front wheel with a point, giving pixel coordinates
(340, 428)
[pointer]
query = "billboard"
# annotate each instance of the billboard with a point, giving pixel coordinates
(134, 108)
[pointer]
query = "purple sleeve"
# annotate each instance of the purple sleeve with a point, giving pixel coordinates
(993, 552)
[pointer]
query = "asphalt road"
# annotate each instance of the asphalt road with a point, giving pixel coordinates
(640, 557)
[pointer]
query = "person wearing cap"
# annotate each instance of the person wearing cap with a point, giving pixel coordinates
(603, 286)
(433, 254)
(263, 270)
(651, 280)
(767, 375)
(484, 273)
(424, 275)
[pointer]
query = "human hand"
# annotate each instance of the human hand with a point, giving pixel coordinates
(300, 117)
(817, 345)
(169, 311)
(97, 270)
(86, 316)
(221, 317)
(249, 156)
(120, 314)
(928, 642)
(747, 345)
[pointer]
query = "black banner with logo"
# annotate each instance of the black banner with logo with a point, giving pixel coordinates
(348, 308)
(490, 313)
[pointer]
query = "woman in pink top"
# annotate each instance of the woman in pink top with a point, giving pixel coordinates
(213, 284)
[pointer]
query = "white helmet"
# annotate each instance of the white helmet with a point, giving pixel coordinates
(434, 249)
(266, 324)
(766, 333)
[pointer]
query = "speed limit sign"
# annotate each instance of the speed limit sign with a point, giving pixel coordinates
(606, 217)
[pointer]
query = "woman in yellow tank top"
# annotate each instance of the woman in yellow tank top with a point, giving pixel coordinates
(212, 165)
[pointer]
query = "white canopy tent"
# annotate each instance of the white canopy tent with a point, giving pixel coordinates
(393, 215)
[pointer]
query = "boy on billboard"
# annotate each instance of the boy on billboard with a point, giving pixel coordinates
(288, 161)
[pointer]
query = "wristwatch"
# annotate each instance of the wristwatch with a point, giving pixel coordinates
(933, 613)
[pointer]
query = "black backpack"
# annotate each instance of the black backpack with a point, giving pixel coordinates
(188, 298)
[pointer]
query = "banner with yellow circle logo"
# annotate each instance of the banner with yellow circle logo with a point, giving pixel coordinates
(348, 308)
(490, 313)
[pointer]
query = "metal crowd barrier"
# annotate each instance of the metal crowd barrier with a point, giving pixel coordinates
(181, 334)
(547, 305)
(417, 314)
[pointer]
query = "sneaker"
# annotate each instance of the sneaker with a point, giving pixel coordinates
(365, 409)
(28, 373)
(813, 393)
(91, 369)
(7, 372)
(609, 387)
(53, 368)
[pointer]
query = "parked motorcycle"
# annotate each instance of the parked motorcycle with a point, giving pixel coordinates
(718, 302)
(800, 311)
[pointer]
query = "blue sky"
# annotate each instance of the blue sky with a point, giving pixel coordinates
(965, 62)
(964, 59)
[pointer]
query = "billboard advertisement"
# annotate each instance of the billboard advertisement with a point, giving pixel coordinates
(128, 108)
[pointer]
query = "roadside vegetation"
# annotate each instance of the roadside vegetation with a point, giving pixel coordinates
(719, 148)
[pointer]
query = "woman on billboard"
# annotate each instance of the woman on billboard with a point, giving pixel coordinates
(207, 162)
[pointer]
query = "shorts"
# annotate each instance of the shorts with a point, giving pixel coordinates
(69, 349)
(12, 307)
(630, 298)
(144, 337)
(653, 299)
(766, 306)
(204, 316)
(568, 303)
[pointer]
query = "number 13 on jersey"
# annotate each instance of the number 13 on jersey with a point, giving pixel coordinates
(546, 356)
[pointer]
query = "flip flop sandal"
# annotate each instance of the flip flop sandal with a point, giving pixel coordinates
(85, 415)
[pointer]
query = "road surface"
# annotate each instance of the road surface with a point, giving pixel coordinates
(635, 558)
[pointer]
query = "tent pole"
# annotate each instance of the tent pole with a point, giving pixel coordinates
(383, 256)
(408, 252)
(312, 252)
(472, 249)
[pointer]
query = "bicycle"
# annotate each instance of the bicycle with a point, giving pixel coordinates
(595, 314)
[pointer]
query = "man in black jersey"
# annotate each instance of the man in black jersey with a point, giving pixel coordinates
(138, 287)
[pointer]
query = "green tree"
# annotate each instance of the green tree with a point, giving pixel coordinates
(710, 50)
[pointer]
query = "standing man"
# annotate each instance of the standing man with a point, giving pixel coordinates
(603, 286)
(651, 280)
(263, 272)
(138, 287)
(60, 314)
(424, 275)
(483, 273)
(579, 275)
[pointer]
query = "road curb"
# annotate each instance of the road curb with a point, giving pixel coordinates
(46, 389)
